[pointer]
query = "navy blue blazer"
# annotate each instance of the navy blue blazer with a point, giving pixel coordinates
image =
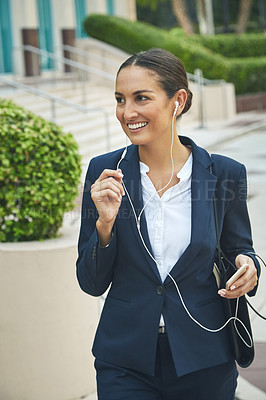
(127, 333)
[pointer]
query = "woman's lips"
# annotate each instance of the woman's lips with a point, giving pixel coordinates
(137, 125)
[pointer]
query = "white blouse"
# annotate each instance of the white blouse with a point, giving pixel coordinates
(168, 217)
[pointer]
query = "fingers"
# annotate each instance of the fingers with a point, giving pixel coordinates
(107, 188)
(109, 184)
(244, 284)
(106, 193)
(116, 174)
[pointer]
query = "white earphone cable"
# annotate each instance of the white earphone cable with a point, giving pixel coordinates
(159, 266)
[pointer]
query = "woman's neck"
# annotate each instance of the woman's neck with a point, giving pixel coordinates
(162, 171)
(158, 155)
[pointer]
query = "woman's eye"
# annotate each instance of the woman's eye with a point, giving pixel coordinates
(142, 98)
(120, 100)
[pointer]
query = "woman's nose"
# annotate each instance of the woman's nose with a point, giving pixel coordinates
(130, 111)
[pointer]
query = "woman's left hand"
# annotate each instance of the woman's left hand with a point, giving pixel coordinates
(245, 283)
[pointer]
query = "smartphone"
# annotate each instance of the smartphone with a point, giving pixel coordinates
(236, 275)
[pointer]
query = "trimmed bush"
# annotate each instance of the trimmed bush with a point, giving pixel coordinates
(248, 75)
(234, 46)
(177, 32)
(40, 170)
(133, 37)
(213, 65)
(129, 36)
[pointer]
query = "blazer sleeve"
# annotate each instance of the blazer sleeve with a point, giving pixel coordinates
(95, 263)
(236, 235)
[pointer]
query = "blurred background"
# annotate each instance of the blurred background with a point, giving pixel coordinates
(58, 62)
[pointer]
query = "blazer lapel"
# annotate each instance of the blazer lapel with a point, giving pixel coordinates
(203, 185)
(132, 182)
(202, 191)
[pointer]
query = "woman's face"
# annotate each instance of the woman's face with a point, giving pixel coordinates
(143, 108)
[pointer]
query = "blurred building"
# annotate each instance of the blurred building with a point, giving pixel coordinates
(47, 24)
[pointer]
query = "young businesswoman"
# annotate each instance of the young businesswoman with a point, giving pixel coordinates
(148, 237)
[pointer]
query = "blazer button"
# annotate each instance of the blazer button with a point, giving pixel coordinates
(94, 253)
(160, 290)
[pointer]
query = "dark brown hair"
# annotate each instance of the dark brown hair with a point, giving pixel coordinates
(170, 70)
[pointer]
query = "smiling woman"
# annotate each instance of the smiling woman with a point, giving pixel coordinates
(148, 234)
(146, 101)
(146, 111)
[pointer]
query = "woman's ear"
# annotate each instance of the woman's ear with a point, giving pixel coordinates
(181, 98)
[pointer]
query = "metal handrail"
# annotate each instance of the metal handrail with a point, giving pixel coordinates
(205, 81)
(55, 99)
(106, 47)
(197, 77)
(200, 82)
(66, 61)
(85, 68)
(85, 54)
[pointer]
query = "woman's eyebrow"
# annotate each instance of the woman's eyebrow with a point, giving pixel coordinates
(136, 92)
(144, 90)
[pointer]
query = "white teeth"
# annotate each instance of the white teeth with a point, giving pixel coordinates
(137, 126)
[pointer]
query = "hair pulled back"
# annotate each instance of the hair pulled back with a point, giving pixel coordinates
(170, 70)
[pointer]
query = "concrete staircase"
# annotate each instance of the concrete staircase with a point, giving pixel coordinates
(89, 129)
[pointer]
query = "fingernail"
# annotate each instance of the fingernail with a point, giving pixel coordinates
(120, 175)
(222, 293)
(232, 287)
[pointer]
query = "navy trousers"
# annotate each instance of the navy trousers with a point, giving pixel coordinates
(215, 383)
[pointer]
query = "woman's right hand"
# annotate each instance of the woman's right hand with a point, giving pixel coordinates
(106, 193)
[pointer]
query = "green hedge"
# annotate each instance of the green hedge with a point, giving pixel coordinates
(177, 32)
(249, 75)
(235, 46)
(194, 51)
(133, 37)
(127, 35)
(39, 175)
(213, 65)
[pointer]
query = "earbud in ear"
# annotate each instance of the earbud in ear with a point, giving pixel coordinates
(176, 107)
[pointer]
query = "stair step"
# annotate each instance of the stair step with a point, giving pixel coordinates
(99, 136)
(89, 129)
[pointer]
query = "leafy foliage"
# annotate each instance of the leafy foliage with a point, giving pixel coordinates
(213, 65)
(39, 174)
(152, 3)
(230, 45)
(248, 76)
(128, 35)
(209, 54)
